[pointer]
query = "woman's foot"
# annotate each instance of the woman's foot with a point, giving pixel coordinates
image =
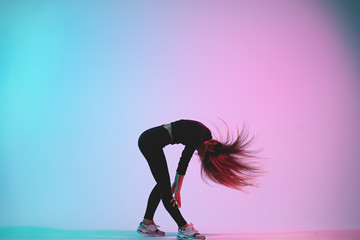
(189, 233)
(150, 229)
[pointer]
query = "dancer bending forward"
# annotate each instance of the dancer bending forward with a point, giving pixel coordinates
(222, 162)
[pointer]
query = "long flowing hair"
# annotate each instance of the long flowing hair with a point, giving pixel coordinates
(228, 162)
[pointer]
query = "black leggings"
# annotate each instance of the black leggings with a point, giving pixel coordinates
(151, 144)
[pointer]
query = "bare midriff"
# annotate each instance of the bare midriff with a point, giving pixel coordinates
(168, 128)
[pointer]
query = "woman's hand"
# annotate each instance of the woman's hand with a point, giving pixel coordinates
(176, 187)
(177, 198)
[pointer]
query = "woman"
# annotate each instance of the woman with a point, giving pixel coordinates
(223, 163)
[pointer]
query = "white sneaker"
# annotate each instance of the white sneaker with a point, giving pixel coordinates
(189, 233)
(150, 229)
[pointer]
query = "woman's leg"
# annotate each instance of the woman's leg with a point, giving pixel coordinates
(153, 202)
(159, 170)
(151, 143)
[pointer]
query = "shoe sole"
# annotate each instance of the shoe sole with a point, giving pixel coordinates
(191, 237)
(150, 234)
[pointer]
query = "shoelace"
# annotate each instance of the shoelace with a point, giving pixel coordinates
(153, 227)
(192, 229)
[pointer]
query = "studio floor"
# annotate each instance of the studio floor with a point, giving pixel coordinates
(23, 233)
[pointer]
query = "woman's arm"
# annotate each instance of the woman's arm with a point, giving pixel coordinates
(176, 187)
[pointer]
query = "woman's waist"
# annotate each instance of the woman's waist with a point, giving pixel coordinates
(169, 129)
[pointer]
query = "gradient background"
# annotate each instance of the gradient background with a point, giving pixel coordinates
(81, 80)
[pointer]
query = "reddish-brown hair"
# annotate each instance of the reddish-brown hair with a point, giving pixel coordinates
(227, 162)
